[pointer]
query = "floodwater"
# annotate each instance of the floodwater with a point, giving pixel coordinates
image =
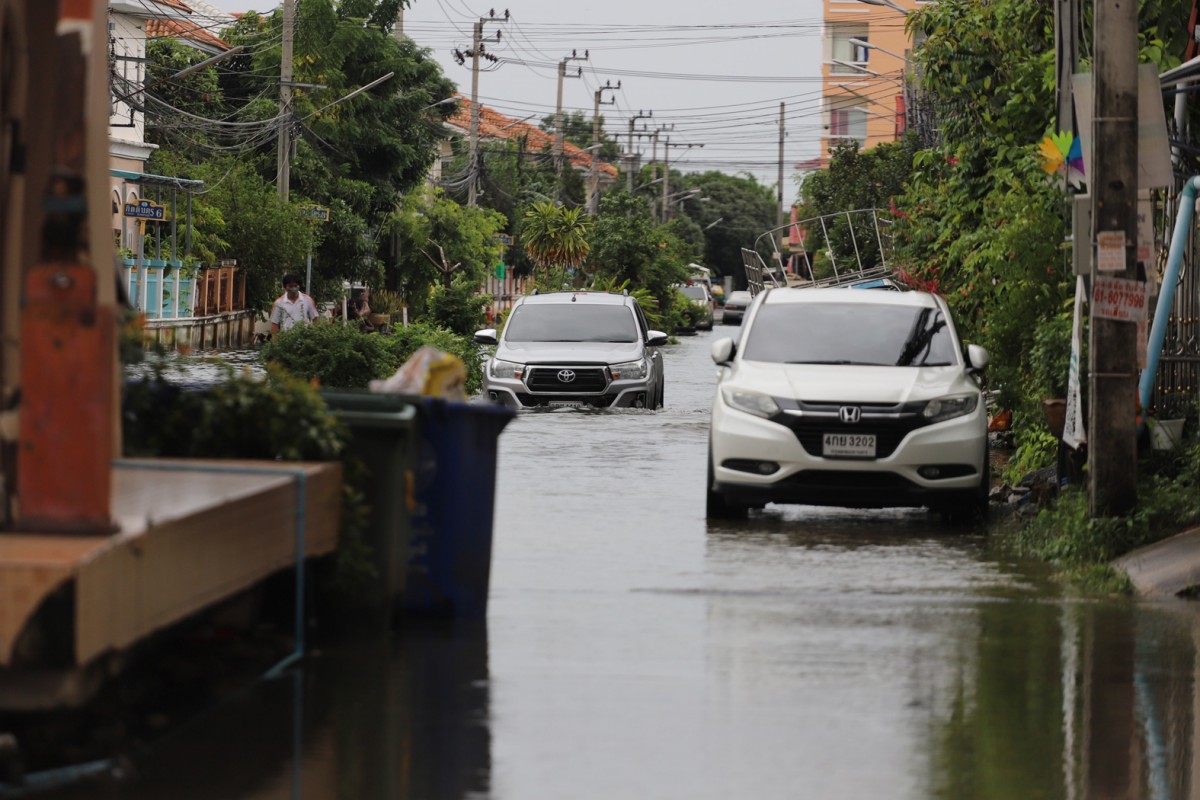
(634, 650)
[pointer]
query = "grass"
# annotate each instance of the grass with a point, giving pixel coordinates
(1082, 548)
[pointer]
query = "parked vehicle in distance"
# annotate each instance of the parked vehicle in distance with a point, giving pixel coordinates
(857, 399)
(735, 307)
(698, 293)
(566, 349)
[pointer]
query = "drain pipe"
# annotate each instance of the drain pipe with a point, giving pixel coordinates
(1166, 295)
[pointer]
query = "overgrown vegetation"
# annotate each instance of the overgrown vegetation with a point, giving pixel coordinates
(344, 357)
(1065, 535)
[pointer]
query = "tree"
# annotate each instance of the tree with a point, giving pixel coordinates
(629, 246)
(440, 242)
(554, 236)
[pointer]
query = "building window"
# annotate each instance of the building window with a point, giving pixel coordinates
(848, 123)
(842, 49)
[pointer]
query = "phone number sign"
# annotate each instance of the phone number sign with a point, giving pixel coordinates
(1119, 299)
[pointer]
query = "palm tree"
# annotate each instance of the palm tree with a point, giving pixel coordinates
(556, 236)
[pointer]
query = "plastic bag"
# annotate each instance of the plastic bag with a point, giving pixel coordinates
(430, 372)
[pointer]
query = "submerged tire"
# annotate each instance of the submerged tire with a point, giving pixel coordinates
(716, 506)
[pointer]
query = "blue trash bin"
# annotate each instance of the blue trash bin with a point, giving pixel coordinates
(451, 525)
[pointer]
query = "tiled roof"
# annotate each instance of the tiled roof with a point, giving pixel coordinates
(494, 125)
(180, 29)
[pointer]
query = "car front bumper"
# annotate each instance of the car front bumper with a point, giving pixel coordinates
(617, 394)
(745, 447)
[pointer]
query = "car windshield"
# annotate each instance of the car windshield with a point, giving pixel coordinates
(850, 333)
(571, 322)
(695, 292)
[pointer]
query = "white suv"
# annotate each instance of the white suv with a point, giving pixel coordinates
(863, 399)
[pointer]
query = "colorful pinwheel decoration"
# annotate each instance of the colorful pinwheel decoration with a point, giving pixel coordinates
(1062, 154)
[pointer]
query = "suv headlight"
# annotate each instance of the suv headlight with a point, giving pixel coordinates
(506, 369)
(756, 403)
(630, 370)
(944, 408)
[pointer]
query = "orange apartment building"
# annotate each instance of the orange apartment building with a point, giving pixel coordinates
(865, 53)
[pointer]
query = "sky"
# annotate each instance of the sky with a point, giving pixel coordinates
(711, 76)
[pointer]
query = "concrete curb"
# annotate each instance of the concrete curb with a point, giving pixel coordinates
(1166, 568)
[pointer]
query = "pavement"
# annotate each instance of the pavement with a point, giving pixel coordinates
(1165, 568)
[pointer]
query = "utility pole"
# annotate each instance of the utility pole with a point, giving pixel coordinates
(477, 50)
(559, 133)
(779, 194)
(1112, 350)
(666, 185)
(629, 172)
(594, 188)
(283, 157)
(654, 154)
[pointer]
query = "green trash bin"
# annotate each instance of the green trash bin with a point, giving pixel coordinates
(387, 438)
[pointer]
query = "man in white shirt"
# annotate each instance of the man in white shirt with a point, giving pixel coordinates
(292, 307)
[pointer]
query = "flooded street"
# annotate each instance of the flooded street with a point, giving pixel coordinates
(633, 650)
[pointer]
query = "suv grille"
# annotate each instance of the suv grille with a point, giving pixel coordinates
(890, 423)
(581, 380)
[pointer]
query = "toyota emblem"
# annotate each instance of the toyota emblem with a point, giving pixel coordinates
(566, 376)
(850, 414)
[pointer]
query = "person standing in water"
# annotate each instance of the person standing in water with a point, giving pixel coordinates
(292, 307)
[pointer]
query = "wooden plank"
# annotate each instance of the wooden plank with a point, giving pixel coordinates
(192, 533)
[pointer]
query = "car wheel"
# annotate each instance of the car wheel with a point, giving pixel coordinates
(977, 507)
(716, 506)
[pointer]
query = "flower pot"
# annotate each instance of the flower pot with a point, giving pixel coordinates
(1055, 412)
(379, 320)
(1166, 434)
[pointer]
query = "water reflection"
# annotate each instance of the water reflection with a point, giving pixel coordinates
(201, 368)
(405, 717)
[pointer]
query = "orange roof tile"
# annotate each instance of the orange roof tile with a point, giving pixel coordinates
(494, 125)
(179, 29)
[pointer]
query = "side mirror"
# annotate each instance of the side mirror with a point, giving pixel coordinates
(485, 336)
(723, 350)
(977, 357)
(655, 338)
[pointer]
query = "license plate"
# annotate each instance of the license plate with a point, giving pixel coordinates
(849, 445)
(566, 404)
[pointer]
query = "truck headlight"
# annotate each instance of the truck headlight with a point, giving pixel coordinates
(756, 403)
(630, 370)
(506, 369)
(944, 408)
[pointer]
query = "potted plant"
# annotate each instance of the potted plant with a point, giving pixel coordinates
(386, 302)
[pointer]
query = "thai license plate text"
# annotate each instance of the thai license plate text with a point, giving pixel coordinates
(849, 445)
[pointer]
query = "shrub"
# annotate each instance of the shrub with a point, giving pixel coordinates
(403, 342)
(458, 308)
(337, 356)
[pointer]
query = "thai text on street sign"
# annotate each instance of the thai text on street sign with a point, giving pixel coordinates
(504, 239)
(147, 210)
(1110, 251)
(315, 213)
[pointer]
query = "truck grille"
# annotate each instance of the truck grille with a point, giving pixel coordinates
(567, 379)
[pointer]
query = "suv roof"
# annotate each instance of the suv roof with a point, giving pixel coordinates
(606, 298)
(832, 295)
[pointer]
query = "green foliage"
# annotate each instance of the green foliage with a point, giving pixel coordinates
(244, 416)
(458, 308)
(644, 297)
(741, 209)
(1168, 502)
(334, 355)
(627, 246)
(441, 241)
(556, 238)
(403, 342)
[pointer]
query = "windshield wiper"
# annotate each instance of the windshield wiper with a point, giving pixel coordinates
(839, 362)
(920, 338)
